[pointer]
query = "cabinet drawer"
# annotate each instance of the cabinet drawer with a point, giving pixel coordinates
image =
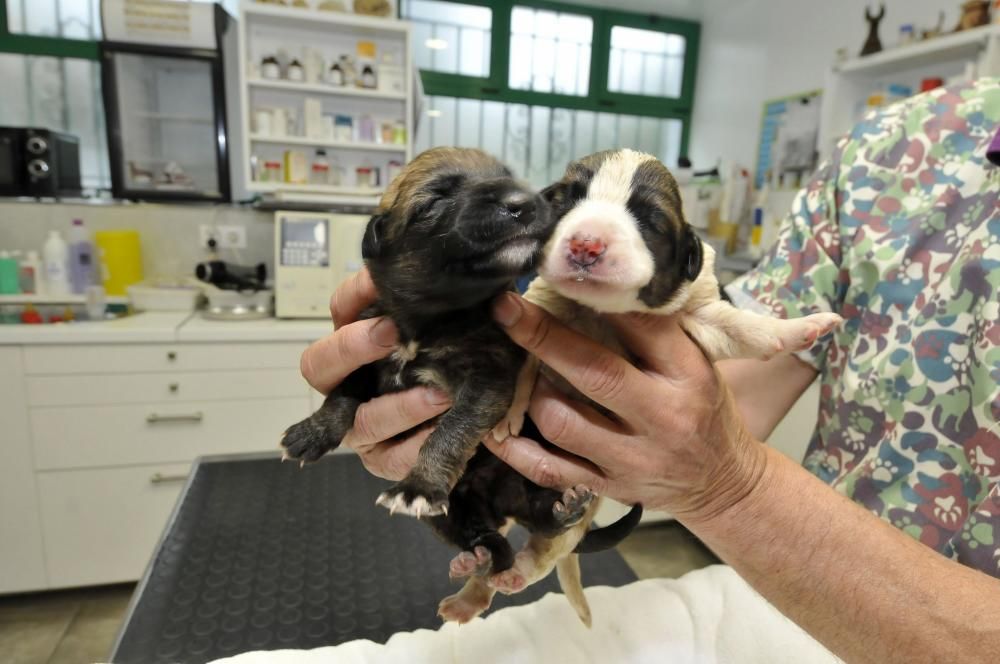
(93, 436)
(113, 389)
(102, 525)
(139, 358)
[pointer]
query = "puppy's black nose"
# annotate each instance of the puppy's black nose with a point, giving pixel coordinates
(518, 205)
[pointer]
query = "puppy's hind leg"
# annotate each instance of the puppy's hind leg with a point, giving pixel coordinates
(474, 598)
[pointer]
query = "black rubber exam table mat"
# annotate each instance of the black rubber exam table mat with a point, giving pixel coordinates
(261, 555)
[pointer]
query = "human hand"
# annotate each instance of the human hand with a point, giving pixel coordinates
(676, 442)
(354, 344)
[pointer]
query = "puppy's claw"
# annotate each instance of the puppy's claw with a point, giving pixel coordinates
(419, 507)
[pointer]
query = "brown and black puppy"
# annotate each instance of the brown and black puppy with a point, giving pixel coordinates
(452, 232)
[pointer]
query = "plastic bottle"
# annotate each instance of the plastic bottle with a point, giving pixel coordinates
(81, 258)
(9, 281)
(32, 274)
(55, 253)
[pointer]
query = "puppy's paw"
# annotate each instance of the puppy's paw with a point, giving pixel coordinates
(510, 425)
(573, 506)
(415, 498)
(802, 333)
(509, 581)
(305, 442)
(462, 609)
(468, 563)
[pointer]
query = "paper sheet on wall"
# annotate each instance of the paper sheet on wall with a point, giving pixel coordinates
(160, 22)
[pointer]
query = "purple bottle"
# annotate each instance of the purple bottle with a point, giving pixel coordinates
(81, 258)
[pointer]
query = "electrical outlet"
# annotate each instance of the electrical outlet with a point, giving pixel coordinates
(232, 237)
(207, 232)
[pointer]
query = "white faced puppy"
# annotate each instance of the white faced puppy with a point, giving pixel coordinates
(620, 245)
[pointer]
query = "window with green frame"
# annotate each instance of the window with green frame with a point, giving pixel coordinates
(51, 73)
(52, 79)
(540, 83)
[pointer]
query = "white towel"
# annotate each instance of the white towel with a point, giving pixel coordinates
(708, 616)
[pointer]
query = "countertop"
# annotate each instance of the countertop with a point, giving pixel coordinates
(165, 327)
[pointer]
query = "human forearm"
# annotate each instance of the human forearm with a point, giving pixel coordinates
(764, 392)
(864, 589)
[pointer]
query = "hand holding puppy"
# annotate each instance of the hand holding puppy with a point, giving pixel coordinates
(353, 344)
(677, 443)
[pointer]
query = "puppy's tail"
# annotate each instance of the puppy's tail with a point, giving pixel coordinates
(568, 571)
(604, 538)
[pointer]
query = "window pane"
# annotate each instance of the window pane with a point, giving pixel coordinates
(450, 37)
(538, 141)
(62, 94)
(550, 51)
(646, 62)
(73, 19)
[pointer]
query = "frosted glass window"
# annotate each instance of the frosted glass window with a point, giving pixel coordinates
(62, 94)
(646, 62)
(550, 51)
(450, 37)
(72, 19)
(538, 141)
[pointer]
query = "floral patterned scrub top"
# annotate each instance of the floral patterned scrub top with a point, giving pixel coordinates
(900, 234)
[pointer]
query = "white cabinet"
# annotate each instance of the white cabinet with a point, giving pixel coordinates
(97, 439)
(101, 525)
(22, 556)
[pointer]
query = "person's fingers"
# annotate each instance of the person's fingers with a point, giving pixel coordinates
(390, 415)
(327, 362)
(392, 460)
(351, 298)
(574, 426)
(660, 344)
(591, 368)
(545, 467)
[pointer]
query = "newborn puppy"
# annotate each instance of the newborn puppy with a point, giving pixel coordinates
(452, 232)
(621, 244)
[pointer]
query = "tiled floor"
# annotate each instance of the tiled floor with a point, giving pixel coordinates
(61, 627)
(78, 626)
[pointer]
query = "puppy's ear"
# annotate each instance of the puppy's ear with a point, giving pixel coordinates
(371, 245)
(554, 193)
(692, 253)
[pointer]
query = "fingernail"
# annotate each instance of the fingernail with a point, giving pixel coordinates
(436, 397)
(384, 333)
(507, 310)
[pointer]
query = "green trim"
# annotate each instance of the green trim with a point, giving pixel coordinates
(56, 47)
(495, 87)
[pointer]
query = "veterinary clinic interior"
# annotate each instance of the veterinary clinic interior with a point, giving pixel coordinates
(184, 185)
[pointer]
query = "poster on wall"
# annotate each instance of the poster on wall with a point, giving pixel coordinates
(789, 137)
(159, 22)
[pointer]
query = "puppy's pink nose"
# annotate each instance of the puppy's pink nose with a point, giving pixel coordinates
(586, 250)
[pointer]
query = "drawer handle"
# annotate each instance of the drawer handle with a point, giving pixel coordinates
(154, 418)
(172, 355)
(174, 387)
(160, 478)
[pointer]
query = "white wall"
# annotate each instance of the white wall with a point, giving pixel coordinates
(755, 50)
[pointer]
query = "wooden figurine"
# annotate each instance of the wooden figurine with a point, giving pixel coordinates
(974, 14)
(936, 31)
(873, 44)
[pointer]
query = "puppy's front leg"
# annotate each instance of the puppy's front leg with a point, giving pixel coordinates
(724, 332)
(442, 459)
(513, 421)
